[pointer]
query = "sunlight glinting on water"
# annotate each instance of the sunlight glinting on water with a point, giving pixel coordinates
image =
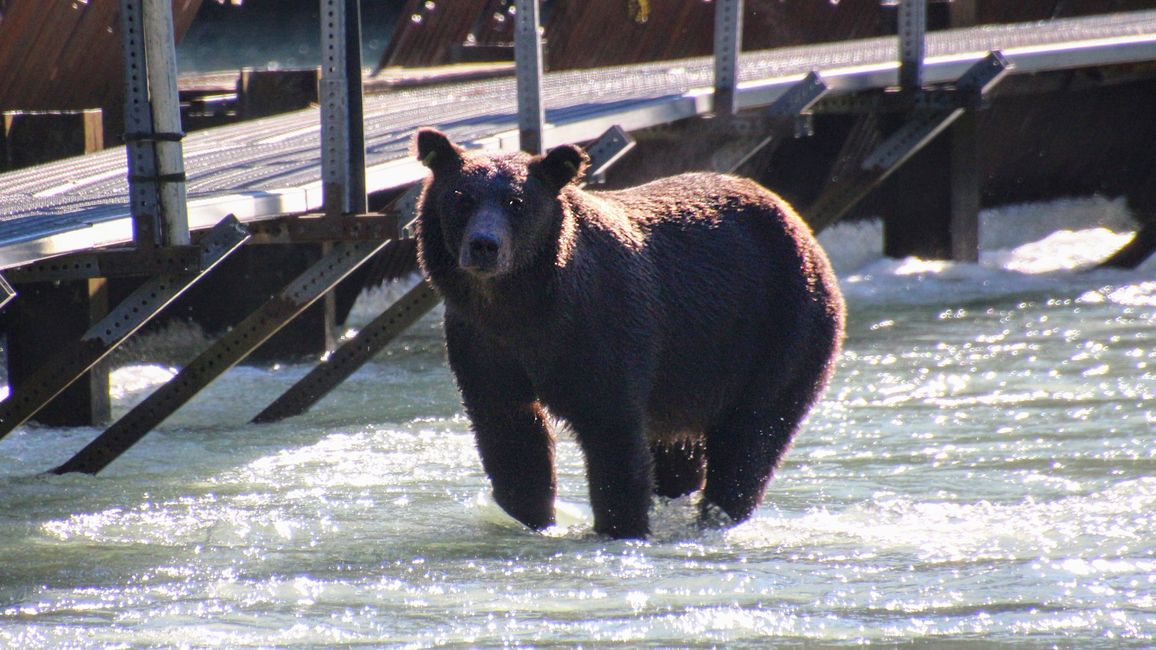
(982, 470)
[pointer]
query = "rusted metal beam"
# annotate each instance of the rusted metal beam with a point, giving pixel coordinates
(74, 359)
(111, 264)
(226, 352)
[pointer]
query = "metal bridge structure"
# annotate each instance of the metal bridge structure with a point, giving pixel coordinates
(168, 207)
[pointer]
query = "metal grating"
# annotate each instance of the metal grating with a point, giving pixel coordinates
(268, 167)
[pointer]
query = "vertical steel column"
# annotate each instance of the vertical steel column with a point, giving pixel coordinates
(912, 29)
(144, 193)
(161, 58)
(528, 73)
(342, 131)
(965, 188)
(358, 202)
(728, 42)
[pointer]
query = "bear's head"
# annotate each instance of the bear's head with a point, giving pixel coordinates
(491, 214)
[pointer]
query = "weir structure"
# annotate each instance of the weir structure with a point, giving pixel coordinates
(337, 184)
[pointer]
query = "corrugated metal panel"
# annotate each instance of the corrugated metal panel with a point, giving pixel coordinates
(428, 30)
(595, 33)
(65, 54)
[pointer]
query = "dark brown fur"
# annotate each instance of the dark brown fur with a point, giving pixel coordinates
(683, 328)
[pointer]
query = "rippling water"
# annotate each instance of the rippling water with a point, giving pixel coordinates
(982, 471)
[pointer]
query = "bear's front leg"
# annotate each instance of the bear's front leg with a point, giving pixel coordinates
(512, 433)
(619, 469)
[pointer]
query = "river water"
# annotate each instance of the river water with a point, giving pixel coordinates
(981, 472)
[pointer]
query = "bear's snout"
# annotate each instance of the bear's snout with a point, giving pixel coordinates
(485, 246)
(483, 250)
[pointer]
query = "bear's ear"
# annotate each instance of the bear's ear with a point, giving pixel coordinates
(435, 150)
(564, 164)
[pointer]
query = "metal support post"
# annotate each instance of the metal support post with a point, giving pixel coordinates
(342, 131)
(912, 30)
(144, 190)
(358, 201)
(161, 59)
(73, 360)
(352, 354)
(226, 352)
(728, 39)
(528, 74)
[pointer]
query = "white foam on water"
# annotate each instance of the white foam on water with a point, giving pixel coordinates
(989, 482)
(1036, 247)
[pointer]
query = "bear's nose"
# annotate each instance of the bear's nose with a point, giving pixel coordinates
(484, 244)
(482, 252)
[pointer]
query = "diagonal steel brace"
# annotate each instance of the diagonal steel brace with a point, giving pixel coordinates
(921, 128)
(352, 354)
(226, 352)
(112, 330)
(6, 292)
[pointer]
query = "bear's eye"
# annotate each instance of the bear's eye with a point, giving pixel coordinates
(462, 200)
(514, 203)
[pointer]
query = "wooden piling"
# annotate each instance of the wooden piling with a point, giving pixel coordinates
(29, 138)
(50, 313)
(268, 92)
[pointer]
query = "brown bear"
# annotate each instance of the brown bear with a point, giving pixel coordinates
(682, 328)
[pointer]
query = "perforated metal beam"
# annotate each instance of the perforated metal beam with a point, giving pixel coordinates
(912, 37)
(222, 355)
(607, 150)
(352, 354)
(161, 57)
(138, 308)
(342, 130)
(798, 100)
(111, 264)
(528, 76)
(728, 43)
(144, 191)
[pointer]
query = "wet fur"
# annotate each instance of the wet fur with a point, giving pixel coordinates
(682, 328)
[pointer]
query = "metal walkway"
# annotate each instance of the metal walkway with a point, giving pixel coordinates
(270, 167)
